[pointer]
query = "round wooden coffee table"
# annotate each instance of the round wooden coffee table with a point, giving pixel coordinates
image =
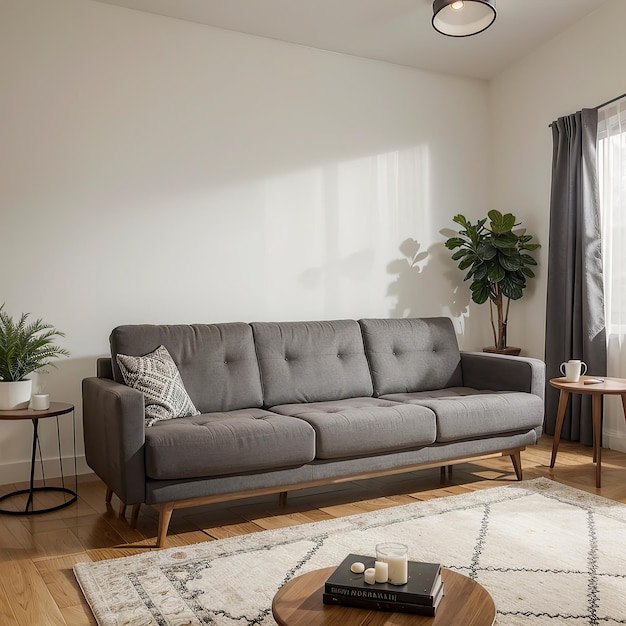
(299, 603)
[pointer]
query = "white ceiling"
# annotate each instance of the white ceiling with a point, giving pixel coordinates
(398, 31)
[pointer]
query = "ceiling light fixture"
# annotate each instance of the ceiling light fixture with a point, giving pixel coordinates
(462, 18)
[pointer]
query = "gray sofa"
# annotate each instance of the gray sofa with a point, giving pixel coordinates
(290, 405)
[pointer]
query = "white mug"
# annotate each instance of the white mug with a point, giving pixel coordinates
(573, 370)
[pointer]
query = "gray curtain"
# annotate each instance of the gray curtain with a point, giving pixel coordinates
(575, 299)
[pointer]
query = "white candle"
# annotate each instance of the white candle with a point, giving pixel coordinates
(398, 569)
(381, 570)
(370, 575)
(40, 402)
(396, 557)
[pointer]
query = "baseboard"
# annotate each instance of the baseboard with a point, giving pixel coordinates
(19, 472)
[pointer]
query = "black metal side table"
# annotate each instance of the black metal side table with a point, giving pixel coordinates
(55, 410)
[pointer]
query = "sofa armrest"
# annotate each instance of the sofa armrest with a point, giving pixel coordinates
(114, 433)
(500, 372)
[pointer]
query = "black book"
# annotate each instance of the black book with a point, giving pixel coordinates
(381, 605)
(424, 580)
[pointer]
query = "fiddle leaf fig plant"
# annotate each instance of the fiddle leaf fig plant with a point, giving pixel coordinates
(26, 347)
(497, 262)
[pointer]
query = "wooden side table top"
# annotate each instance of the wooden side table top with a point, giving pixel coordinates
(299, 603)
(610, 386)
(55, 408)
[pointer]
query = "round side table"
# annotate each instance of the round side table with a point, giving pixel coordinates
(55, 410)
(586, 386)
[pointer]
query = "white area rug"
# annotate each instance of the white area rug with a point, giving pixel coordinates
(548, 554)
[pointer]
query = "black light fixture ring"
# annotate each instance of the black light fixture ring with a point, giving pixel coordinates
(463, 18)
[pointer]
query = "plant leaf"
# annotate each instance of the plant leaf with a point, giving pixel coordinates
(511, 290)
(481, 271)
(26, 347)
(510, 263)
(501, 223)
(459, 254)
(496, 273)
(455, 242)
(463, 265)
(486, 251)
(480, 292)
(527, 259)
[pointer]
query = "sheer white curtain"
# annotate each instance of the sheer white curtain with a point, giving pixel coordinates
(612, 187)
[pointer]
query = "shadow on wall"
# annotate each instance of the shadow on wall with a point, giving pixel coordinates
(426, 283)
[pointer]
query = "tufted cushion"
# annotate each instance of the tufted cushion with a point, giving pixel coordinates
(359, 426)
(218, 444)
(157, 377)
(311, 361)
(217, 362)
(408, 355)
(464, 413)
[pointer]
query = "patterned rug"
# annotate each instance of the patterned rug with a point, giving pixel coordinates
(548, 554)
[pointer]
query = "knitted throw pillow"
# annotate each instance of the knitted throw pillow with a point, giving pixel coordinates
(157, 376)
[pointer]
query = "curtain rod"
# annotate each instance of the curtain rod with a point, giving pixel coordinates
(611, 101)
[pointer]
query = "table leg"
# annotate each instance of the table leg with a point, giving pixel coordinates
(597, 435)
(560, 416)
(624, 404)
(31, 487)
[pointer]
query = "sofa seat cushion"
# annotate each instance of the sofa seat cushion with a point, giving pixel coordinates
(465, 413)
(215, 444)
(362, 426)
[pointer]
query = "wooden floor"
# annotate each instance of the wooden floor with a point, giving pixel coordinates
(38, 588)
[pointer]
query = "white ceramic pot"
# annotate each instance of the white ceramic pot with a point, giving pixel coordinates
(15, 395)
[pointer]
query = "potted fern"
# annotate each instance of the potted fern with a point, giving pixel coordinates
(24, 348)
(498, 265)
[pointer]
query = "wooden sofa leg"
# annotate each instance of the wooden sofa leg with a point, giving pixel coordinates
(282, 499)
(165, 515)
(122, 509)
(516, 459)
(109, 495)
(446, 469)
(134, 515)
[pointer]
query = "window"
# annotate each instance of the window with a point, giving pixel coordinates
(612, 190)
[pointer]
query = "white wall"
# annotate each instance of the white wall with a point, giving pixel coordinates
(581, 68)
(160, 171)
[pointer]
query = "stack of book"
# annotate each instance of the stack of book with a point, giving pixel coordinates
(420, 595)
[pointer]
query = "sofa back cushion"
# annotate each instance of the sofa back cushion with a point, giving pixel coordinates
(217, 362)
(408, 355)
(311, 361)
